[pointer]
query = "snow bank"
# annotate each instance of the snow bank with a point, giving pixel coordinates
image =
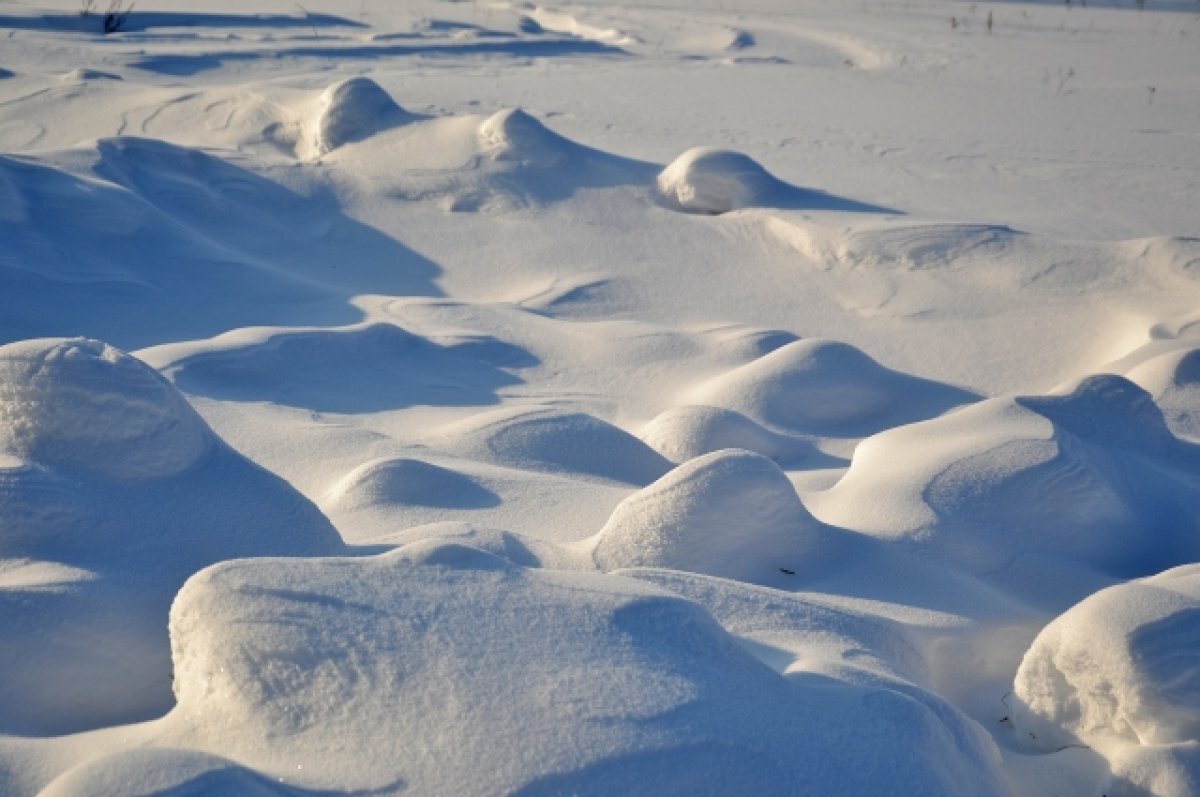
(83, 404)
(704, 180)
(827, 388)
(464, 675)
(352, 110)
(1120, 666)
(1016, 488)
(112, 492)
(729, 513)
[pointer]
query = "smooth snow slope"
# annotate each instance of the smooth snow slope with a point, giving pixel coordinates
(714, 397)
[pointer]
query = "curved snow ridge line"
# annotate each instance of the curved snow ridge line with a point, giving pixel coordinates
(562, 22)
(858, 53)
(905, 244)
(187, 65)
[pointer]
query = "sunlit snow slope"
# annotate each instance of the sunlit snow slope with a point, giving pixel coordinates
(677, 398)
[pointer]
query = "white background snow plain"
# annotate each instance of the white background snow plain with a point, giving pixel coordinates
(715, 397)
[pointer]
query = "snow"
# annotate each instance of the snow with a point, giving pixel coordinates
(739, 397)
(352, 110)
(730, 513)
(1118, 672)
(705, 180)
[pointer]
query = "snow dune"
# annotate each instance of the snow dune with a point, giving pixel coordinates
(755, 397)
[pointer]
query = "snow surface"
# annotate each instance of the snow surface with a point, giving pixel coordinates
(708, 397)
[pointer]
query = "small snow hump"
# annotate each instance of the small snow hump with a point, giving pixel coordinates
(731, 513)
(83, 404)
(514, 135)
(705, 180)
(1120, 666)
(352, 110)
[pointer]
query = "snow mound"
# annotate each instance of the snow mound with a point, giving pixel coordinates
(827, 388)
(619, 687)
(410, 482)
(1124, 665)
(352, 110)
(83, 404)
(730, 513)
(705, 180)
(545, 439)
(112, 492)
(1009, 485)
(514, 135)
(162, 773)
(684, 433)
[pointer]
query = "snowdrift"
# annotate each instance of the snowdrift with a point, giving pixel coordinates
(112, 492)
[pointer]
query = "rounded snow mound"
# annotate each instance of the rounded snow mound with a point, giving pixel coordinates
(826, 387)
(514, 135)
(705, 180)
(1122, 665)
(407, 481)
(730, 513)
(684, 433)
(352, 110)
(550, 440)
(83, 404)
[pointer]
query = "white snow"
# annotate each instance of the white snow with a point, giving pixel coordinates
(688, 397)
(730, 513)
(705, 180)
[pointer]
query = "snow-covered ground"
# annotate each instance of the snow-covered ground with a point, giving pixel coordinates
(677, 397)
